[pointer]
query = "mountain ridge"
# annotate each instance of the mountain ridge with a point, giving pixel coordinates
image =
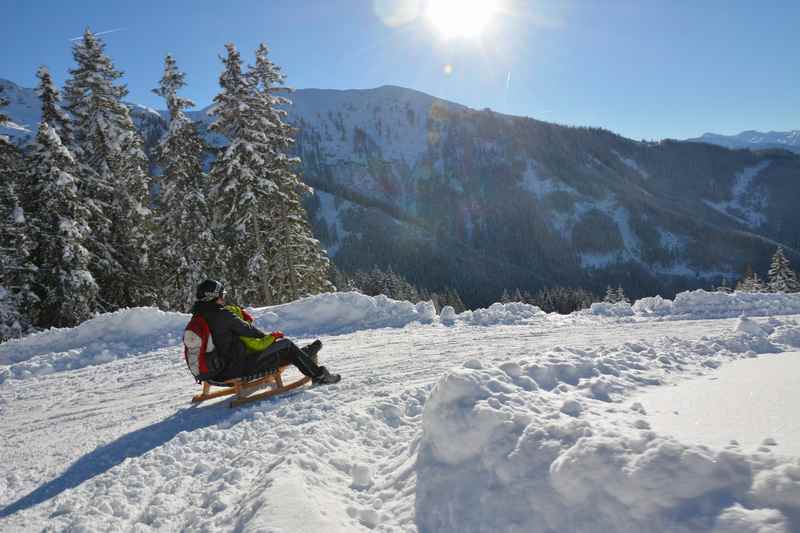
(480, 201)
(754, 140)
(751, 139)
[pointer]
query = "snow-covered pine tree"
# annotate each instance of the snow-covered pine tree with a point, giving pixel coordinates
(620, 296)
(3, 116)
(393, 285)
(759, 285)
(751, 282)
(241, 188)
(379, 282)
(611, 295)
(52, 113)
(114, 184)
(18, 302)
(67, 290)
(781, 276)
(746, 283)
(299, 264)
(184, 245)
(271, 255)
(505, 297)
(724, 287)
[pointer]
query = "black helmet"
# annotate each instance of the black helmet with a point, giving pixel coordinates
(210, 290)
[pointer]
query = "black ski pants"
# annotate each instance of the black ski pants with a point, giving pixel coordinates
(281, 353)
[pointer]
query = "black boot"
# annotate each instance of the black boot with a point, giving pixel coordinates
(312, 350)
(326, 378)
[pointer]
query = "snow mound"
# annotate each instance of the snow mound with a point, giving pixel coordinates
(703, 304)
(498, 454)
(448, 315)
(749, 327)
(653, 306)
(341, 312)
(130, 332)
(513, 313)
(786, 333)
(102, 339)
(609, 309)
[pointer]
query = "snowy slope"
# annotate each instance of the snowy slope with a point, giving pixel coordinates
(504, 419)
(743, 406)
(24, 110)
(435, 179)
(755, 140)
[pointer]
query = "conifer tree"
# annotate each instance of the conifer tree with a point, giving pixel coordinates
(723, 287)
(114, 184)
(781, 276)
(241, 188)
(68, 291)
(751, 282)
(564, 300)
(184, 242)
(299, 264)
(392, 285)
(611, 295)
(18, 301)
(453, 299)
(746, 283)
(759, 285)
(3, 116)
(341, 280)
(271, 255)
(52, 113)
(527, 297)
(620, 296)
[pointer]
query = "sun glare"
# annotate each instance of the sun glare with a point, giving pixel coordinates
(460, 18)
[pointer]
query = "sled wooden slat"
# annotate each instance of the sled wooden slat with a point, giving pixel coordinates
(239, 388)
(277, 391)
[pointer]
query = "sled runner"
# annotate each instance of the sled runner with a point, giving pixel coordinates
(241, 386)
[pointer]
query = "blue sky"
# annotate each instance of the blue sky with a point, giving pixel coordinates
(645, 69)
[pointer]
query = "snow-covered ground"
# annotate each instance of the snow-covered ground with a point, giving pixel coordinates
(743, 406)
(503, 419)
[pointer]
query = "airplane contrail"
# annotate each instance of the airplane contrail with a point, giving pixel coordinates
(100, 33)
(508, 80)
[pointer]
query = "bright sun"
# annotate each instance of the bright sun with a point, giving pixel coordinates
(461, 18)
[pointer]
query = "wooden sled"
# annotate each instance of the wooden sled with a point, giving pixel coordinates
(240, 387)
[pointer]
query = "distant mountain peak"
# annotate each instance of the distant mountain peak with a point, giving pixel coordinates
(754, 140)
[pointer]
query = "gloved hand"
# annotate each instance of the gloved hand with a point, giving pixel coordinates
(277, 335)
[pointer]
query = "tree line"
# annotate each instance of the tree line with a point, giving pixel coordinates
(395, 286)
(85, 228)
(780, 278)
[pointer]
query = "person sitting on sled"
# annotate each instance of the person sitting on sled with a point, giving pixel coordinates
(242, 350)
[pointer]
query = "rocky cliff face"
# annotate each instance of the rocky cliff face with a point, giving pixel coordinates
(479, 201)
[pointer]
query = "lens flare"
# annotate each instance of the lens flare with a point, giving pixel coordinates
(460, 18)
(395, 13)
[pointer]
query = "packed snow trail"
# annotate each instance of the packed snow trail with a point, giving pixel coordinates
(111, 442)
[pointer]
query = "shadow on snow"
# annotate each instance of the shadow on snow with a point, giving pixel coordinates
(129, 445)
